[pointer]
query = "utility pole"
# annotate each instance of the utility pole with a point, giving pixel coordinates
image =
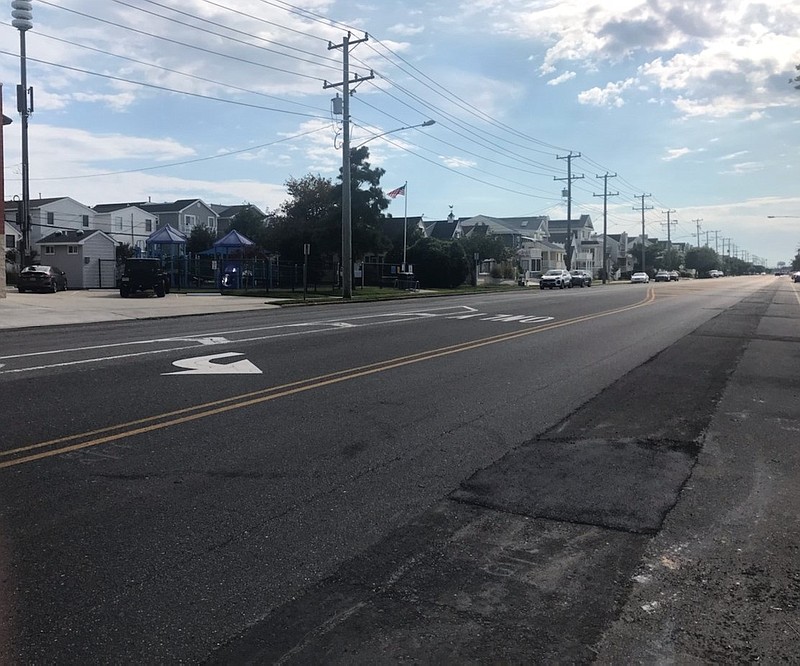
(643, 208)
(605, 196)
(697, 223)
(347, 229)
(669, 224)
(22, 20)
(716, 240)
(569, 179)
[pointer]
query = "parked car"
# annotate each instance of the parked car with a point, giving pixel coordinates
(555, 277)
(796, 277)
(662, 276)
(41, 278)
(143, 275)
(674, 276)
(640, 277)
(580, 278)
(715, 273)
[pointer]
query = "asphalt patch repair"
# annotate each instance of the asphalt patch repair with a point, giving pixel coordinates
(532, 558)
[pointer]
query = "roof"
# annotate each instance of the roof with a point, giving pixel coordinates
(34, 203)
(231, 211)
(168, 206)
(110, 207)
(71, 237)
(561, 225)
(505, 225)
(233, 239)
(167, 235)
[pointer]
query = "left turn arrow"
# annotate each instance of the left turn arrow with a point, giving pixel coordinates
(204, 365)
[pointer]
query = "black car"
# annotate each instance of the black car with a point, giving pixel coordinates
(580, 278)
(41, 278)
(141, 275)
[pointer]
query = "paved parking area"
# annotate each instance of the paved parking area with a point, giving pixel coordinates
(77, 307)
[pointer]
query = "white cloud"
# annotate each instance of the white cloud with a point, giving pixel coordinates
(456, 162)
(406, 30)
(745, 167)
(733, 156)
(611, 95)
(675, 153)
(566, 76)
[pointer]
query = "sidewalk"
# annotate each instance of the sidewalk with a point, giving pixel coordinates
(81, 307)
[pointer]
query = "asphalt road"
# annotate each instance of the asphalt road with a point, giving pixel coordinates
(454, 479)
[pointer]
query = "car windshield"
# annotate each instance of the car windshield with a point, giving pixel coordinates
(553, 272)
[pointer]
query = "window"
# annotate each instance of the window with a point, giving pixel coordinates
(51, 218)
(211, 223)
(190, 221)
(49, 249)
(72, 249)
(10, 242)
(148, 225)
(85, 219)
(118, 223)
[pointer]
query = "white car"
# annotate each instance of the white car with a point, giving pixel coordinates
(640, 277)
(555, 279)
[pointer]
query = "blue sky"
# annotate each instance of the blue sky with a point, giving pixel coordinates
(688, 102)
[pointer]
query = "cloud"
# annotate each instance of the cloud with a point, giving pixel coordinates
(675, 153)
(566, 76)
(610, 95)
(744, 168)
(406, 30)
(733, 156)
(456, 162)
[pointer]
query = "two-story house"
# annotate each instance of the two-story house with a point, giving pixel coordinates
(54, 214)
(125, 223)
(586, 250)
(183, 215)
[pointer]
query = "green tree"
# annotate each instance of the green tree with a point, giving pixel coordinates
(796, 261)
(651, 257)
(439, 263)
(670, 260)
(250, 223)
(310, 216)
(702, 259)
(201, 238)
(486, 246)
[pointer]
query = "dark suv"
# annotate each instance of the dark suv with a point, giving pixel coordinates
(580, 278)
(143, 275)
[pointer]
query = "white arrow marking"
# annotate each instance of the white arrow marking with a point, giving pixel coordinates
(204, 365)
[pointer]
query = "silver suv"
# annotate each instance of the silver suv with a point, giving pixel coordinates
(555, 277)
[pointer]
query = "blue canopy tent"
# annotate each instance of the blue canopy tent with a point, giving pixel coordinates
(169, 245)
(234, 273)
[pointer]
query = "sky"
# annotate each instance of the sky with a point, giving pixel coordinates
(688, 103)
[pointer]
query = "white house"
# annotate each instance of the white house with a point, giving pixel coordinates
(125, 223)
(55, 214)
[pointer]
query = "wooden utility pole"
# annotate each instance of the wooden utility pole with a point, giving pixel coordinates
(605, 196)
(569, 179)
(644, 236)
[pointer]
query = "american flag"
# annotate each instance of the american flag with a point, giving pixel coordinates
(399, 192)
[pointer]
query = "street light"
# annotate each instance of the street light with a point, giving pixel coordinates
(427, 123)
(22, 20)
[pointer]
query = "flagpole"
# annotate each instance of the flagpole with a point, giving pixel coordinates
(405, 223)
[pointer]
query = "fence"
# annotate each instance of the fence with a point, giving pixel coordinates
(219, 273)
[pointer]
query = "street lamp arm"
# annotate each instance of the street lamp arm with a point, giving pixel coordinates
(774, 216)
(427, 123)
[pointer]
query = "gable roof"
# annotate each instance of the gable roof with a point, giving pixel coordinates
(226, 212)
(72, 237)
(170, 206)
(111, 207)
(505, 225)
(233, 239)
(167, 235)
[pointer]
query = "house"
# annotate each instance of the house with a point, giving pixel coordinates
(586, 250)
(55, 214)
(183, 215)
(226, 215)
(87, 257)
(449, 229)
(513, 231)
(125, 223)
(13, 236)
(617, 250)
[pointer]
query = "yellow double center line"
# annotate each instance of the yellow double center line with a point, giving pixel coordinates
(108, 434)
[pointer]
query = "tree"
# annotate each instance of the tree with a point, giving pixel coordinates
(439, 263)
(796, 261)
(124, 250)
(670, 260)
(250, 223)
(201, 238)
(309, 216)
(486, 246)
(702, 259)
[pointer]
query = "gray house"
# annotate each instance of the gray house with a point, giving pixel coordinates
(183, 215)
(88, 258)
